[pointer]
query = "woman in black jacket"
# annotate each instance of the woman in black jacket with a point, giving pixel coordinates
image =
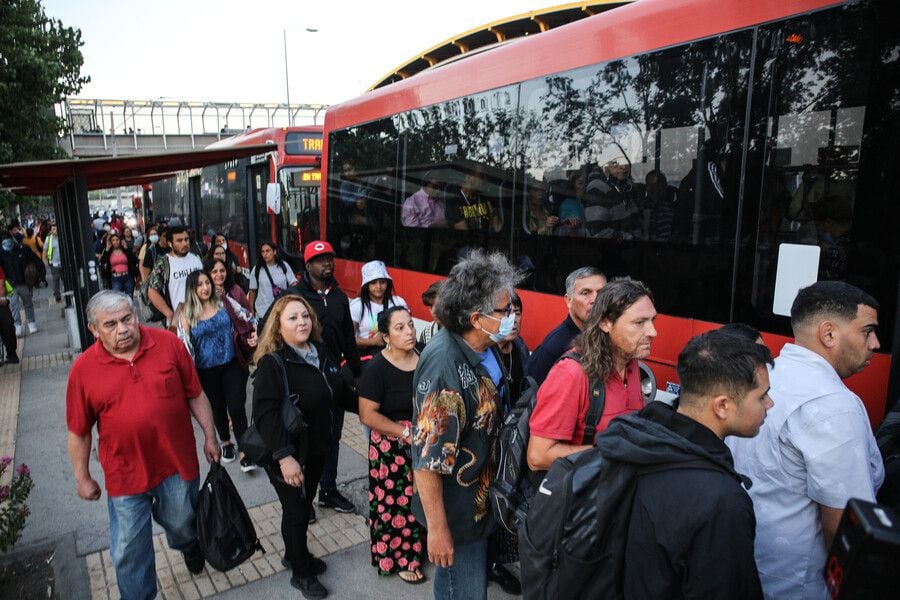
(292, 332)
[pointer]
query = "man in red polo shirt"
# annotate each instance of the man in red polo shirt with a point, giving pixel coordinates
(139, 386)
(616, 335)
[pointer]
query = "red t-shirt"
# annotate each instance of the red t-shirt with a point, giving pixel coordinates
(141, 411)
(562, 401)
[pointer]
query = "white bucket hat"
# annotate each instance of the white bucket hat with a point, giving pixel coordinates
(374, 270)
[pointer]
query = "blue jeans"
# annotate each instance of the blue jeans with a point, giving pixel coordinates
(171, 504)
(467, 578)
(124, 284)
(329, 473)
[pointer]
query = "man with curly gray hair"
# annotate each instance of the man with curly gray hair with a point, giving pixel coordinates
(456, 415)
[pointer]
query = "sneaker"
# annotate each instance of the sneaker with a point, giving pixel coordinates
(12, 359)
(193, 559)
(318, 565)
(334, 499)
(228, 454)
(312, 515)
(309, 586)
(246, 465)
(18, 330)
(32, 328)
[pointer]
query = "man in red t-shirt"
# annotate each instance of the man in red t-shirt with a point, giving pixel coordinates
(616, 335)
(139, 387)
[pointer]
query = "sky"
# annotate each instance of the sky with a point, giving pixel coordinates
(233, 50)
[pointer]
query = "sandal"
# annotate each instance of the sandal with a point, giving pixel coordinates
(412, 577)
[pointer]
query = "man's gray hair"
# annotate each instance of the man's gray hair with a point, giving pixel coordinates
(474, 284)
(106, 301)
(581, 273)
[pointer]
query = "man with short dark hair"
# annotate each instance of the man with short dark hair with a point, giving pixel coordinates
(168, 281)
(582, 287)
(691, 529)
(139, 387)
(816, 450)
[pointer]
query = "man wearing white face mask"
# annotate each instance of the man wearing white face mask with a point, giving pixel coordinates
(617, 333)
(459, 387)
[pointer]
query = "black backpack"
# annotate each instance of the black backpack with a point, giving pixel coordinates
(572, 543)
(226, 533)
(514, 485)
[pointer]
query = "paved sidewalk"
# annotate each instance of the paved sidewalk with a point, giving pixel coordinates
(32, 428)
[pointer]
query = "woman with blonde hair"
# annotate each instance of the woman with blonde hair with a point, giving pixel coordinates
(204, 322)
(291, 351)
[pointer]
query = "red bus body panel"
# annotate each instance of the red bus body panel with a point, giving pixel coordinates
(633, 29)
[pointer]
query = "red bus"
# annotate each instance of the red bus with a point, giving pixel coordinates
(237, 198)
(724, 153)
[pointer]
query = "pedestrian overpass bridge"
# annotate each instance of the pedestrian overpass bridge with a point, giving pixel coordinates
(98, 128)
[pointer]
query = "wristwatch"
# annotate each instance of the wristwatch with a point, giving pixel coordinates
(406, 432)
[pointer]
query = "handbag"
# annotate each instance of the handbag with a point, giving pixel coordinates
(276, 291)
(241, 328)
(252, 444)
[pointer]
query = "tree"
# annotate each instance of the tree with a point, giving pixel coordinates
(40, 64)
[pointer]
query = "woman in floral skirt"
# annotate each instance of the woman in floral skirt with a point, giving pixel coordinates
(385, 406)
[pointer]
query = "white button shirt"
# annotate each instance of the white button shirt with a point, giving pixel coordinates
(815, 447)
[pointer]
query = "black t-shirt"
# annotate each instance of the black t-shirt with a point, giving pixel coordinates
(389, 386)
(477, 212)
(513, 363)
(150, 256)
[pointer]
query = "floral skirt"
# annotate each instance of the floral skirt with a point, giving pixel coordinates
(398, 540)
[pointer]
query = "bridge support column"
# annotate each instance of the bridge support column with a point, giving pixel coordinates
(81, 272)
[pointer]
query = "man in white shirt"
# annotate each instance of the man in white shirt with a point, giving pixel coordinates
(168, 280)
(816, 449)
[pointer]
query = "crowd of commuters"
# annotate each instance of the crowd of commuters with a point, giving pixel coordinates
(432, 403)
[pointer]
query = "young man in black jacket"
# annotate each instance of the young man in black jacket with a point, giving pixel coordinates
(318, 287)
(692, 525)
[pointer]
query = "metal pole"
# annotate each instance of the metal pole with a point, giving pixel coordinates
(287, 85)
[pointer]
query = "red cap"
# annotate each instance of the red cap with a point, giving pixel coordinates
(316, 248)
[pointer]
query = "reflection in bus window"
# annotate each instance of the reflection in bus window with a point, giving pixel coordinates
(819, 125)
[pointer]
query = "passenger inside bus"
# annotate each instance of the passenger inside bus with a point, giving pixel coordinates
(425, 208)
(469, 209)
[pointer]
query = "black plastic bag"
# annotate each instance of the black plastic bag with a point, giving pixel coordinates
(226, 533)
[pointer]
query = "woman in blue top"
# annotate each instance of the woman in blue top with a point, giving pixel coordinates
(206, 323)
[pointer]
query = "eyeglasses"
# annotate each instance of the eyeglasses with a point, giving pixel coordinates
(505, 311)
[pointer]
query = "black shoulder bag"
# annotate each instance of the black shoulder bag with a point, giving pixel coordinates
(252, 444)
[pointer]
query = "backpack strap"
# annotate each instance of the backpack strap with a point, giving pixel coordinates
(596, 399)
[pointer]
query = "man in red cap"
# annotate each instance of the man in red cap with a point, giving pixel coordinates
(332, 308)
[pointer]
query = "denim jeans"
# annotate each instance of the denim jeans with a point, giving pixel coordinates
(467, 578)
(329, 473)
(171, 504)
(56, 277)
(22, 296)
(124, 284)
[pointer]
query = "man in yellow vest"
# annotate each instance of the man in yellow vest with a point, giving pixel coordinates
(53, 259)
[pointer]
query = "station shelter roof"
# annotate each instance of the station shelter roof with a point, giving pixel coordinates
(494, 34)
(43, 178)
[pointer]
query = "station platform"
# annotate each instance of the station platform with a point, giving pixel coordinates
(76, 532)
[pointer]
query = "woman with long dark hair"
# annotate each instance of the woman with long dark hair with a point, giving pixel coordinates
(375, 294)
(385, 406)
(205, 321)
(223, 281)
(118, 265)
(291, 348)
(269, 278)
